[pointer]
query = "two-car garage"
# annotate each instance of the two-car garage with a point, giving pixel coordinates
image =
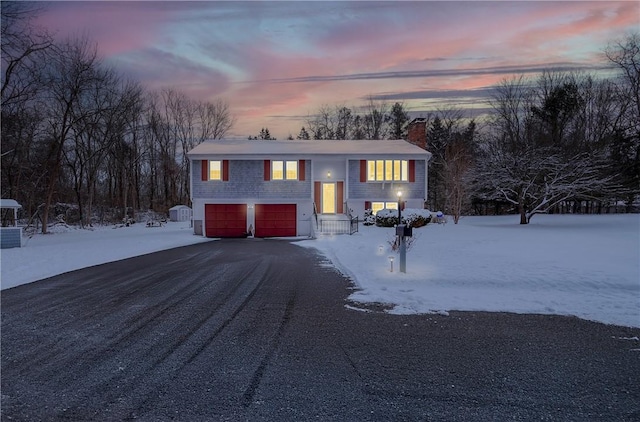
(233, 220)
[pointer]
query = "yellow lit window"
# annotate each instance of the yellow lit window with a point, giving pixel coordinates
(292, 170)
(377, 206)
(396, 170)
(371, 166)
(388, 166)
(379, 170)
(387, 170)
(215, 170)
(277, 170)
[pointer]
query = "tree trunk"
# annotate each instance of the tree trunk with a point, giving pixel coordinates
(523, 212)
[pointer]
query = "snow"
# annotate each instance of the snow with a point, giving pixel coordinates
(582, 265)
(244, 147)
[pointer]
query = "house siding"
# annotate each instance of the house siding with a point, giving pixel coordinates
(246, 180)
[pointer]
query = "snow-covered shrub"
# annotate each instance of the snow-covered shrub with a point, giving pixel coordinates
(387, 218)
(412, 217)
(369, 218)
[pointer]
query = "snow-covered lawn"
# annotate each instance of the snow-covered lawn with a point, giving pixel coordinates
(583, 265)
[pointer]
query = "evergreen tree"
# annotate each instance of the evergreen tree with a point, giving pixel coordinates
(398, 119)
(304, 135)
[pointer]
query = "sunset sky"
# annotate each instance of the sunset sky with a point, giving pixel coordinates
(277, 62)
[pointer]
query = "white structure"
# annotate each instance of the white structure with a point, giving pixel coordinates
(10, 236)
(180, 213)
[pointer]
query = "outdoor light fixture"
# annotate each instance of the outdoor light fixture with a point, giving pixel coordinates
(399, 207)
(329, 175)
(391, 262)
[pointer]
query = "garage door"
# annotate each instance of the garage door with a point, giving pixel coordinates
(225, 220)
(275, 220)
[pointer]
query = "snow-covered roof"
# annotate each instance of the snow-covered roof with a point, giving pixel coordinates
(9, 203)
(302, 148)
(177, 207)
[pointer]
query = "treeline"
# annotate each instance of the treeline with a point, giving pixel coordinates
(74, 131)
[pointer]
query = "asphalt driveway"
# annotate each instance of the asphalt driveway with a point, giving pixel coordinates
(258, 330)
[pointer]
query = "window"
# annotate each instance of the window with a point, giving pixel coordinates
(277, 171)
(292, 170)
(215, 170)
(387, 170)
(284, 170)
(377, 206)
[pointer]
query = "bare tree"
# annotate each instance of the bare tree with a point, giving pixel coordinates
(458, 162)
(70, 74)
(24, 47)
(625, 55)
(374, 119)
(216, 119)
(531, 158)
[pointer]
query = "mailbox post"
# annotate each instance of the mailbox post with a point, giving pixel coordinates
(401, 232)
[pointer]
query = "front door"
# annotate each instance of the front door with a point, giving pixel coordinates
(328, 198)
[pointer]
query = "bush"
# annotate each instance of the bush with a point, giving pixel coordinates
(387, 218)
(412, 217)
(369, 218)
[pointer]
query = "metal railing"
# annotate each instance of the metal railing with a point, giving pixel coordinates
(334, 226)
(339, 226)
(315, 213)
(353, 225)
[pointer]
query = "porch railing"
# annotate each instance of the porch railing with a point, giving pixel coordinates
(353, 225)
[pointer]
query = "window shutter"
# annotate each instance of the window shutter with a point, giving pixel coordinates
(363, 170)
(316, 194)
(340, 197)
(301, 168)
(412, 170)
(205, 169)
(225, 170)
(267, 170)
(367, 205)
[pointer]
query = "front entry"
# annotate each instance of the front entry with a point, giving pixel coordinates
(328, 198)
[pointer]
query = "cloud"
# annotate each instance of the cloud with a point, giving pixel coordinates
(430, 73)
(195, 79)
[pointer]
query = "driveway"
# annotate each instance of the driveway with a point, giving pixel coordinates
(256, 329)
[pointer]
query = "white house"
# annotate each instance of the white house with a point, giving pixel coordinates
(292, 188)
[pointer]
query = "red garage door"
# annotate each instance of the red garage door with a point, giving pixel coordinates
(275, 220)
(225, 220)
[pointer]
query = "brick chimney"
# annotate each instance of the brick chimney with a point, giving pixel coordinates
(417, 132)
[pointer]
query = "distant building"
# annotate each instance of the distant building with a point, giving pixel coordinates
(180, 213)
(10, 233)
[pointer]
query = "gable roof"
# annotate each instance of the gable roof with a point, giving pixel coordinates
(258, 149)
(9, 203)
(178, 207)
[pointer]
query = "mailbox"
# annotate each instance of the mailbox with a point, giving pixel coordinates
(404, 230)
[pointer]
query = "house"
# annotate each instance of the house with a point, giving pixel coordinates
(294, 188)
(180, 213)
